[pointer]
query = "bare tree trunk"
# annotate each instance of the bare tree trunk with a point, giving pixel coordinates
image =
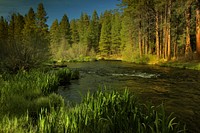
(147, 43)
(188, 49)
(157, 36)
(143, 45)
(166, 41)
(169, 30)
(175, 49)
(166, 33)
(161, 38)
(140, 38)
(198, 27)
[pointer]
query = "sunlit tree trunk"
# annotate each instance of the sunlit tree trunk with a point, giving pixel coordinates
(161, 37)
(198, 27)
(165, 34)
(166, 42)
(157, 36)
(175, 49)
(188, 49)
(169, 30)
(140, 38)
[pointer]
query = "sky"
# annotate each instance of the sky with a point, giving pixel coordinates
(57, 8)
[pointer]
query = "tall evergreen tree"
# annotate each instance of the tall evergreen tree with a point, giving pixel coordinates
(105, 38)
(54, 39)
(115, 33)
(83, 29)
(41, 18)
(74, 31)
(65, 31)
(94, 32)
(3, 37)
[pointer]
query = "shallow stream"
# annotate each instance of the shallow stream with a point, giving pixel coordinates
(178, 89)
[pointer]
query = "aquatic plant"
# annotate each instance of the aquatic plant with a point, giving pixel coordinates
(31, 91)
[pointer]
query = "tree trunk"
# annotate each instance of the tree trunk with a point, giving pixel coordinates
(157, 36)
(140, 38)
(161, 38)
(166, 41)
(175, 49)
(188, 49)
(166, 33)
(198, 27)
(169, 30)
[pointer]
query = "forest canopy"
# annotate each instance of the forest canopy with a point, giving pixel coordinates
(138, 30)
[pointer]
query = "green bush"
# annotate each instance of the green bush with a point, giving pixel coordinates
(75, 74)
(64, 76)
(56, 101)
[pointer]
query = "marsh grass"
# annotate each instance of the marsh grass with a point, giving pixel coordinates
(100, 112)
(29, 104)
(31, 91)
(194, 65)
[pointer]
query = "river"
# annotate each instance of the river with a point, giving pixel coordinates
(178, 89)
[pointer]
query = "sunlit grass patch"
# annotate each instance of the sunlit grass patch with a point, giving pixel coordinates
(110, 112)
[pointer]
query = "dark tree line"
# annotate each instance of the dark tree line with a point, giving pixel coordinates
(162, 28)
(24, 40)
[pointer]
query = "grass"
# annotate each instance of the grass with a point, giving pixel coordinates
(100, 112)
(194, 65)
(28, 104)
(31, 91)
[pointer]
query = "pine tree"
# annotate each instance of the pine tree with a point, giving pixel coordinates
(65, 31)
(15, 60)
(83, 29)
(3, 37)
(94, 32)
(105, 38)
(115, 33)
(41, 18)
(54, 39)
(74, 31)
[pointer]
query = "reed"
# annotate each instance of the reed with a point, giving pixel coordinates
(101, 112)
(31, 91)
(28, 104)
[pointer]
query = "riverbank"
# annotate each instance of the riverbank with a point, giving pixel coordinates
(102, 111)
(193, 65)
(152, 60)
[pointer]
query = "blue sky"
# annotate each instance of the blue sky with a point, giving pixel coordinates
(57, 8)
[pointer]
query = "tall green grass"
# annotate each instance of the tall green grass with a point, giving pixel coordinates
(100, 112)
(31, 90)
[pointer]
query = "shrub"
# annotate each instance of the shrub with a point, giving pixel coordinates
(75, 74)
(56, 101)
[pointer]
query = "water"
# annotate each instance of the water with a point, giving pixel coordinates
(178, 89)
